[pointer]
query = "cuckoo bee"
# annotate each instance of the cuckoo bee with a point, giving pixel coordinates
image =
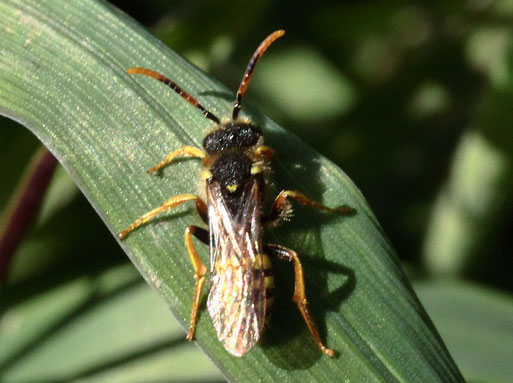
(241, 280)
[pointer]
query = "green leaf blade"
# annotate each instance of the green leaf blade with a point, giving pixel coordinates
(63, 75)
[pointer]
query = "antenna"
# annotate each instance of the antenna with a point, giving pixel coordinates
(176, 88)
(250, 69)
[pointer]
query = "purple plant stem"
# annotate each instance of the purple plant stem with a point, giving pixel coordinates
(24, 206)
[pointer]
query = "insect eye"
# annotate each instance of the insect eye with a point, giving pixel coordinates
(213, 142)
(247, 135)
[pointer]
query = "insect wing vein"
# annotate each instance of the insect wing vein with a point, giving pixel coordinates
(236, 301)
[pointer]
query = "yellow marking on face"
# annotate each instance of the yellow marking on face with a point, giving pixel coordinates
(256, 169)
(269, 281)
(207, 174)
(232, 188)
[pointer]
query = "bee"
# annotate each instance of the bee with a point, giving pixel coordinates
(241, 279)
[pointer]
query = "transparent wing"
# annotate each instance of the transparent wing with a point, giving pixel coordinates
(236, 301)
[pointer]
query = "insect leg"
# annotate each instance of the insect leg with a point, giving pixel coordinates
(264, 152)
(282, 209)
(202, 210)
(299, 291)
(186, 151)
(169, 204)
(199, 271)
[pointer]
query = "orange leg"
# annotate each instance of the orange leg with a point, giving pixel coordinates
(169, 204)
(282, 209)
(186, 151)
(299, 296)
(199, 272)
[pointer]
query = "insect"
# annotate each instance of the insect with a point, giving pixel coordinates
(241, 281)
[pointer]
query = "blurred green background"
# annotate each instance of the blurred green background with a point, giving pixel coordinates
(414, 100)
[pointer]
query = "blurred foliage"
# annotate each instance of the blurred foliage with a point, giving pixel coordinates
(476, 325)
(412, 99)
